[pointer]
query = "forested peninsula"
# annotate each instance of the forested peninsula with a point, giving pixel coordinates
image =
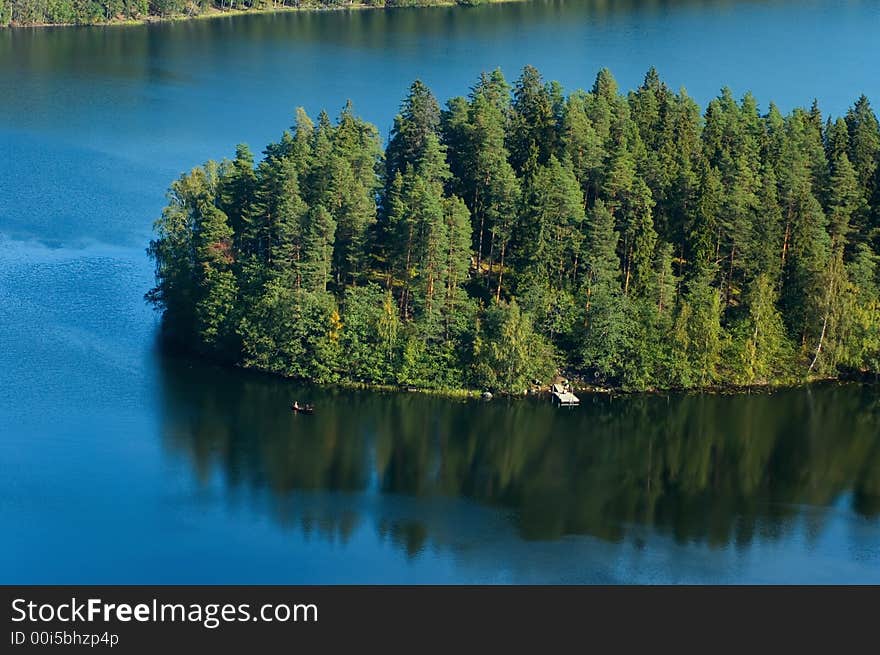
(97, 12)
(628, 239)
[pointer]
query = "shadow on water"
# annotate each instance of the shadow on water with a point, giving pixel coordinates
(707, 469)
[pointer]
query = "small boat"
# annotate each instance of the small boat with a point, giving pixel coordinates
(302, 409)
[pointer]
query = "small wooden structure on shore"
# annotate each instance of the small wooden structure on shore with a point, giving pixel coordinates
(564, 397)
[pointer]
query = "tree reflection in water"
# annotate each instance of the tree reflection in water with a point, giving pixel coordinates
(701, 468)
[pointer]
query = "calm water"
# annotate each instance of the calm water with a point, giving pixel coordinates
(120, 464)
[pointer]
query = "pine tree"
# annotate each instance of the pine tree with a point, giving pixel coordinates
(458, 260)
(280, 210)
(319, 236)
(605, 86)
(238, 184)
(217, 289)
(739, 221)
(303, 140)
(317, 173)
(860, 350)
(845, 200)
(651, 111)
(549, 233)
(430, 247)
(806, 243)
(533, 134)
(422, 242)
(683, 154)
(704, 221)
(665, 288)
(639, 240)
(455, 136)
(354, 212)
(603, 338)
(763, 245)
(343, 180)
(488, 183)
(620, 174)
(583, 146)
(864, 144)
(419, 117)
(836, 139)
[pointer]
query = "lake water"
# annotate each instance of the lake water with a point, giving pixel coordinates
(120, 464)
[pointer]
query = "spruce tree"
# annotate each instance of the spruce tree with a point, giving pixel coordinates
(419, 117)
(583, 146)
(603, 330)
(533, 134)
(319, 235)
(216, 285)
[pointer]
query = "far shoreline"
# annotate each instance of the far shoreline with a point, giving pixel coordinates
(213, 13)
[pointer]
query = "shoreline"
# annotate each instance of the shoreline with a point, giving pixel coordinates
(544, 389)
(213, 13)
(715, 390)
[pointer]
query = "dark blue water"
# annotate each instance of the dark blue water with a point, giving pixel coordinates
(122, 464)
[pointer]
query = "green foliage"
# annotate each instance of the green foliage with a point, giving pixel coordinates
(509, 354)
(533, 135)
(697, 336)
(320, 235)
(419, 118)
(550, 227)
(370, 336)
(519, 231)
(293, 333)
(603, 334)
(763, 351)
(36, 12)
(216, 285)
(474, 134)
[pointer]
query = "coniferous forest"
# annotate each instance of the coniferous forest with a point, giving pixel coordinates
(631, 239)
(73, 12)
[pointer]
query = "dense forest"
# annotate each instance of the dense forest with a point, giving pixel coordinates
(89, 12)
(629, 239)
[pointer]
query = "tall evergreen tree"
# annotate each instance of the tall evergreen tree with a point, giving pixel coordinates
(419, 117)
(215, 280)
(864, 147)
(533, 134)
(487, 182)
(236, 194)
(603, 341)
(319, 236)
(549, 233)
(583, 146)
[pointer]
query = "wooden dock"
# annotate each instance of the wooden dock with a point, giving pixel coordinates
(564, 397)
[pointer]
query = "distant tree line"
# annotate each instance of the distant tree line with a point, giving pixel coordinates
(627, 238)
(41, 12)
